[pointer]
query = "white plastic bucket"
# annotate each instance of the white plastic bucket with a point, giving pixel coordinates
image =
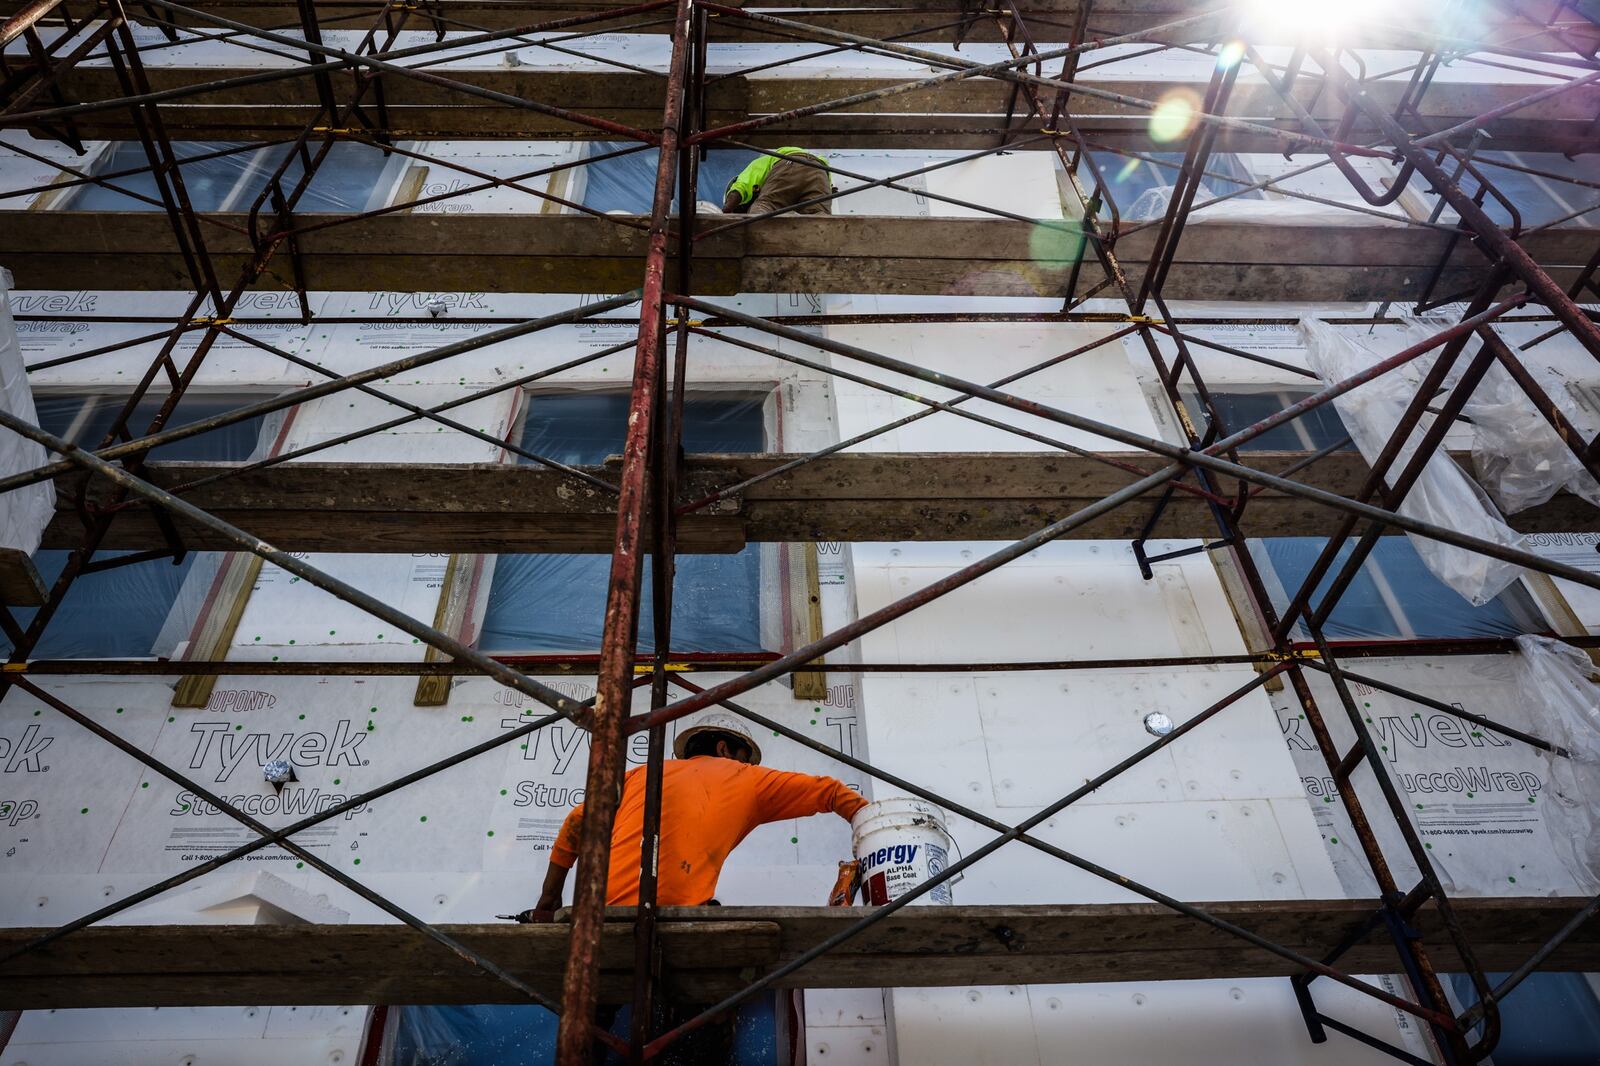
(901, 843)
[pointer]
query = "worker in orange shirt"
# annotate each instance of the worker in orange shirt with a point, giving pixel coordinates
(714, 793)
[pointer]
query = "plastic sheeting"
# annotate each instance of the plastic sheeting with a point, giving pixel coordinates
(26, 511)
(503, 1035)
(1562, 680)
(556, 603)
(348, 179)
(1443, 495)
(146, 609)
(1517, 455)
(120, 613)
(1393, 595)
(627, 183)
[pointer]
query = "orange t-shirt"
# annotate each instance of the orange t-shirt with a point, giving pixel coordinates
(708, 805)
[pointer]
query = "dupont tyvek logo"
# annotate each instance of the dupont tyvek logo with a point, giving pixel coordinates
(223, 748)
(13, 811)
(417, 303)
(22, 755)
(54, 303)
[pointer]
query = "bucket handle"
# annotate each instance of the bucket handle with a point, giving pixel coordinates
(960, 856)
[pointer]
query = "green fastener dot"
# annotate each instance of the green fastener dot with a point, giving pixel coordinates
(274, 658)
(502, 792)
(524, 747)
(84, 811)
(291, 642)
(170, 718)
(794, 840)
(1366, 705)
(237, 728)
(424, 818)
(1419, 806)
(299, 866)
(258, 638)
(119, 710)
(1471, 795)
(491, 832)
(1333, 840)
(380, 636)
(1427, 845)
(331, 632)
(1531, 800)
(775, 733)
(370, 726)
(302, 717)
(1513, 880)
(336, 780)
(144, 784)
(374, 710)
(813, 721)
(358, 862)
(36, 714)
(1327, 799)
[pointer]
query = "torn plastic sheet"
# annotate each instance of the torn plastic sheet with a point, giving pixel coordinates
(1517, 455)
(1443, 495)
(1562, 680)
(26, 511)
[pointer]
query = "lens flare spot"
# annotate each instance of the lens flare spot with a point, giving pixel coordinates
(1229, 56)
(1174, 116)
(1129, 169)
(1055, 243)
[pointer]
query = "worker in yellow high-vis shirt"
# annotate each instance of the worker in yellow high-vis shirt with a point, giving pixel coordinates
(774, 182)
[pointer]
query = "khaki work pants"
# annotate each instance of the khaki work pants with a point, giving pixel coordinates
(789, 182)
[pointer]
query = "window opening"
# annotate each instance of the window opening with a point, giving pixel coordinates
(350, 178)
(626, 184)
(1142, 187)
(544, 603)
(144, 609)
(1538, 199)
(1394, 595)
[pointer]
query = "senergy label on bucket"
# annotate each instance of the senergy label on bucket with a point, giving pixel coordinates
(890, 872)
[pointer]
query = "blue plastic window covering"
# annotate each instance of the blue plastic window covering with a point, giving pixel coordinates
(1128, 179)
(556, 602)
(1550, 1019)
(344, 181)
(118, 613)
(1318, 428)
(1538, 199)
(1393, 595)
(516, 1035)
(628, 183)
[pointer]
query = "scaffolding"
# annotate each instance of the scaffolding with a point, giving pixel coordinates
(1321, 105)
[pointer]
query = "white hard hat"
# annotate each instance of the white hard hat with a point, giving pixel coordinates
(717, 723)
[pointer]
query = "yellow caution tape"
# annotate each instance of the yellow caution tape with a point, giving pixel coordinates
(15, 668)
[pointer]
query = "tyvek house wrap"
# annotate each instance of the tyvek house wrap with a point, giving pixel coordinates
(26, 511)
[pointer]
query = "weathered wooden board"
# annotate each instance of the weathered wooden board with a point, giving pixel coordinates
(710, 951)
(1218, 259)
(916, 118)
(20, 583)
(378, 507)
(1046, 20)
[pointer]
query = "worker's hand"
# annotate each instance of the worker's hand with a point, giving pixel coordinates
(548, 902)
(731, 204)
(532, 914)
